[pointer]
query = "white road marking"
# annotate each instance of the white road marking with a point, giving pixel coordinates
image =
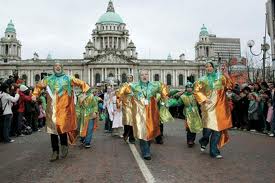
(144, 169)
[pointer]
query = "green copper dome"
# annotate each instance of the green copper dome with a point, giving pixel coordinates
(10, 28)
(110, 16)
(204, 31)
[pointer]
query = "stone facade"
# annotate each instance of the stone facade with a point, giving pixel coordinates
(109, 53)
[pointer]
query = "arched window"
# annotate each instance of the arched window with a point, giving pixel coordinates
(180, 80)
(124, 78)
(37, 77)
(77, 76)
(97, 78)
(169, 79)
(110, 75)
(156, 77)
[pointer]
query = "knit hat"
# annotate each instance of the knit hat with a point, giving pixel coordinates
(23, 88)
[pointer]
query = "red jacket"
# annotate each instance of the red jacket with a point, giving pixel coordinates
(22, 99)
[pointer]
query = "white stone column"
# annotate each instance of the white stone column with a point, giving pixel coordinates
(84, 75)
(102, 75)
(119, 76)
(113, 42)
(108, 42)
(116, 73)
(185, 77)
(177, 83)
(103, 40)
(164, 77)
(92, 78)
(89, 77)
(174, 78)
(32, 78)
(116, 42)
(29, 78)
(105, 70)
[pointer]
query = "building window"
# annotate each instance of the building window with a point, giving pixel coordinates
(156, 77)
(124, 78)
(25, 78)
(43, 74)
(97, 78)
(110, 75)
(6, 49)
(180, 80)
(37, 77)
(169, 79)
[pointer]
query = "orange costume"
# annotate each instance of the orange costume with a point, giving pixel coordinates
(215, 115)
(60, 111)
(145, 112)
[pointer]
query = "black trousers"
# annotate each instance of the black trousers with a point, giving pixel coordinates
(54, 141)
(159, 138)
(108, 123)
(190, 136)
(128, 132)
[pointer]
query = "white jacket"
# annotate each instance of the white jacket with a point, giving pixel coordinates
(108, 104)
(7, 102)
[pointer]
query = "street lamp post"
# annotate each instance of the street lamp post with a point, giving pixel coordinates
(264, 48)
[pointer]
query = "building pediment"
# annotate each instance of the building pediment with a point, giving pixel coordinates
(112, 58)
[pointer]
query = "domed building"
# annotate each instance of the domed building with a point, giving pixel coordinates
(109, 53)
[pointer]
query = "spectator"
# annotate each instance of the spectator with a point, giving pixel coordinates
(7, 101)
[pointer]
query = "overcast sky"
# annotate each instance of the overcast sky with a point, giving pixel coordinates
(157, 27)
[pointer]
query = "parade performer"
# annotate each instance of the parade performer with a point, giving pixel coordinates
(87, 109)
(191, 113)
(117, 126)
(60, 112)
(108, 107)
(210, 92)
(127, 119)
(165, 117)
(145, 112)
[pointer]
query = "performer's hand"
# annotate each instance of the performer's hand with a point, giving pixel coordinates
(207, 101)
(34, 98)
(93, 115)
